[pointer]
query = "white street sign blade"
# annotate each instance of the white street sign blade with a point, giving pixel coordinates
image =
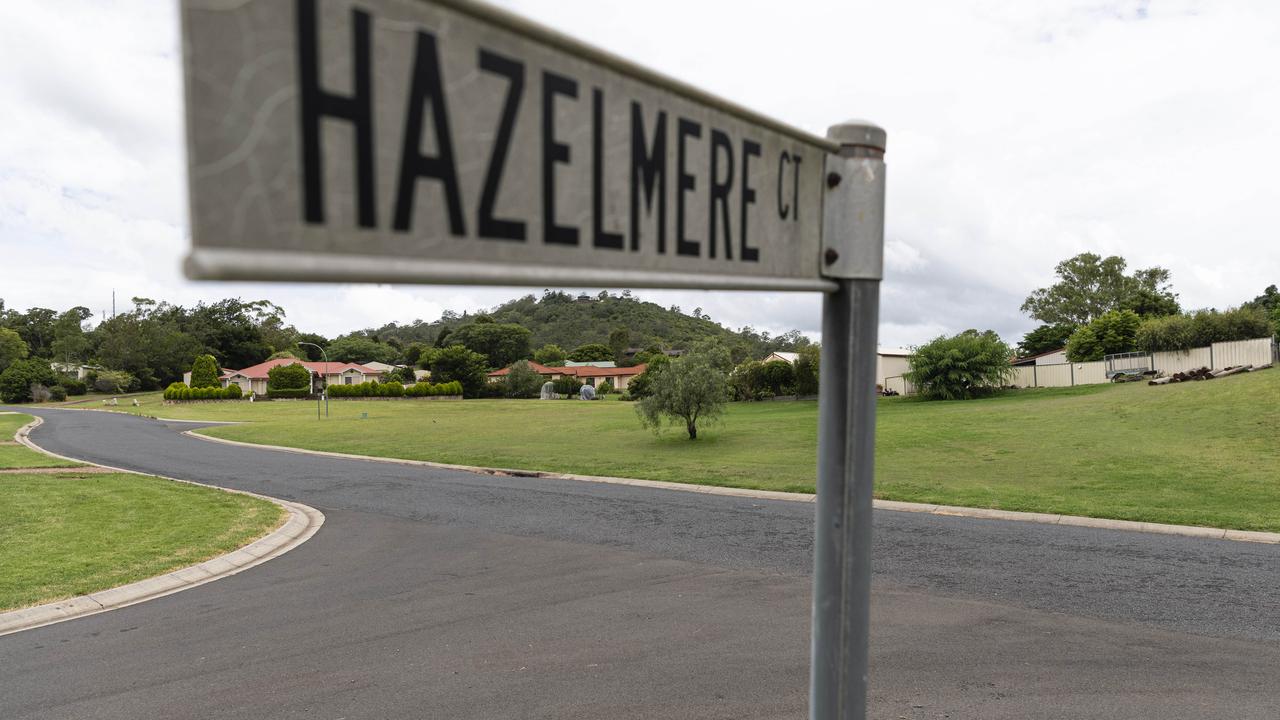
(448, 142)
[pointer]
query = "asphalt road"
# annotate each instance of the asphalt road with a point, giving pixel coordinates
(442, 594)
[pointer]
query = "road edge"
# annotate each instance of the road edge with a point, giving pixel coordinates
(302, 522)
(890, 505)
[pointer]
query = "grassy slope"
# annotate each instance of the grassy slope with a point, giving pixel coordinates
(71, 532)
(1197, 453)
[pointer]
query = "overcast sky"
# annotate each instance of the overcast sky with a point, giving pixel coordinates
(1020, 133)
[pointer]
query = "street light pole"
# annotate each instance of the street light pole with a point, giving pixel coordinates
(324, 355)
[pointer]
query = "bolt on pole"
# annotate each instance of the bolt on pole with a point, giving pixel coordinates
(853, 238)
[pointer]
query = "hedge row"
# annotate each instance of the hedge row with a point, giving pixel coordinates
(288, 393)
(180, 391)
(394, 389)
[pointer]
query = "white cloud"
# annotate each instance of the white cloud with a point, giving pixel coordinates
(1019, 134)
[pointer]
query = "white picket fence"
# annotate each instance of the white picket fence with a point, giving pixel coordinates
(1215, 357)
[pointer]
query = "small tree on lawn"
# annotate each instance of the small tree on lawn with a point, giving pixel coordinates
(286, 377)
(17, 380)
(690, 390)
(961, 366)
(523, 381)
(204, 372)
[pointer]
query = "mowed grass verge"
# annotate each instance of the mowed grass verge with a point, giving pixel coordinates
(1205, 453)
(73, 531)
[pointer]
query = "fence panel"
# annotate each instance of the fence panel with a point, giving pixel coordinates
(1053, 375)
(1173, 361)
(1024, 376)
(1090, 373)
(1242, 352)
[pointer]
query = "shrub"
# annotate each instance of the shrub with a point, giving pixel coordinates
(807, 370)
(174, 391)
(204, 372)
(1201, 329)
(184, 393)
(40, 393)
(289, 377)
(113, 382)
(604, 388)
(73, 386)
(232, 392)
(57, 393)
(961, 366)
(522, 381)
(567, 385)
(17, 379)
(777, 377)
(287, 393)
(457, 363)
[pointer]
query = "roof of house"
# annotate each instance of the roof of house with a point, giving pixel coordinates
(260, 371)
(592, 363)
(578, 371)
(790, 357)
(1038, 355)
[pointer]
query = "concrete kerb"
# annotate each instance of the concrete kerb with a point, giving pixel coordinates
(891, 505)
(301, 523)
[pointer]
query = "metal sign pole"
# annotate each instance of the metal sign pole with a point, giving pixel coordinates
(853, 238)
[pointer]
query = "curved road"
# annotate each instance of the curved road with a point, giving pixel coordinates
(432, 593)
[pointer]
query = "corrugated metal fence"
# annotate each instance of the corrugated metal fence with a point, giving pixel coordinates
(1219, 355)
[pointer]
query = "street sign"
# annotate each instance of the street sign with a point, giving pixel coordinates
(446, 141)
(450, 142)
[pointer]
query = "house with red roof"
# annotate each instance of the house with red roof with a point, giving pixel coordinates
(254, 379)
(593, 375)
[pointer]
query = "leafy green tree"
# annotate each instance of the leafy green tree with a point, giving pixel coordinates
(960, 367)
(20, 375)
(149, 345)
(281, 354)
(641, 386)
(458, 363)
(1090, 285)
(777, 377)
(35, 326)
(1269, 300)
(1110, 333)
(115, 381)
(550, 355)
(12, 348)
(807, 370)
(501, 343)
(591, 352)
(357, 349)
(413, 353)
(1045, 338)
(205, 372)
(744, 381)
(619, 341)
(689, 390)
(307, 352)
(523, 381)
(70, 343)
(287, 377)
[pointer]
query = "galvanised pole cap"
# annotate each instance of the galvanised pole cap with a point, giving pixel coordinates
(859, 133)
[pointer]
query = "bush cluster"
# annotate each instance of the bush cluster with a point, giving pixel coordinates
(73, 386)
(567, 385)
(1202, 329)
(394, 389)
(288, 393)
(180, 391)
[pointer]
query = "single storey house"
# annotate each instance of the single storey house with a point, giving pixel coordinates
(254, 379)
(591, 375)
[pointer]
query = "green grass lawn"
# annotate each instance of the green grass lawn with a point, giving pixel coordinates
(1204, 453)
(75, 531)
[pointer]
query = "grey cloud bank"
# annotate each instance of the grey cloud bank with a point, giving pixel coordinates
(1019, 134)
